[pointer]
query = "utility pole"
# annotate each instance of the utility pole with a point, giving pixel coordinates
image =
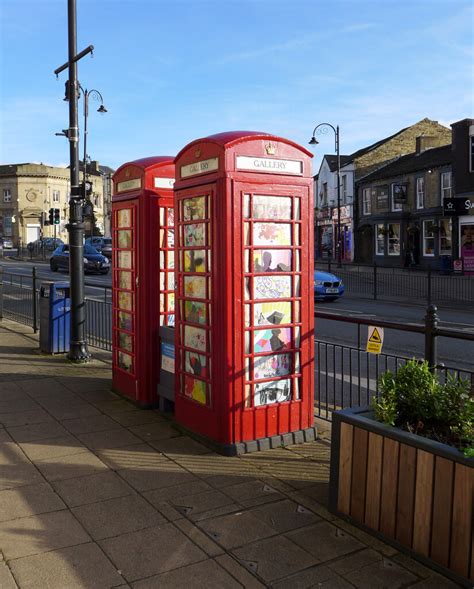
(78, 351)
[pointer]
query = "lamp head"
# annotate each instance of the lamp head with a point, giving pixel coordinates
(102, 109)
(313, 141)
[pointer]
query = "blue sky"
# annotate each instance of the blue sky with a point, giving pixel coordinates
(173, 71)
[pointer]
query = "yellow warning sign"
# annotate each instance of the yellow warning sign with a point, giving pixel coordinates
(374, 340)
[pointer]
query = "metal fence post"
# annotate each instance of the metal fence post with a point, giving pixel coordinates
(375, 281)
(329, 262)
(35, 306)
(428, 294)
(431, 328)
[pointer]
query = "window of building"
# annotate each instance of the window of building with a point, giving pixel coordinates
(394, 239)
(366, 202)
(396, 204)
(96, 200)
(344, 187)
(380, 239)
(420, 193)
(7, 195)
(429, 228)
(56, 196)
(445, 237)
(445, 186)
(8, 226)
(325, 194)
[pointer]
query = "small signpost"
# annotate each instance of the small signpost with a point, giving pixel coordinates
(374, 340)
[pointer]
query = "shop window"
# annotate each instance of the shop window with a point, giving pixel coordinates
(394, 239)
(7, 195)
(396, 204)
(445, 186)
(366, 202)
(420, 193)
(445, 237)
(429, 229)
(380, 240)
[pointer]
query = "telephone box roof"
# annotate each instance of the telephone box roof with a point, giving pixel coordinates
(148, 162)
(229, 138)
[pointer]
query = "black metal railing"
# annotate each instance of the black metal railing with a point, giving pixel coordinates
(348, 376)
(416, 286)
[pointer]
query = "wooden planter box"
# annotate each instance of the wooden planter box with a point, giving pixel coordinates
(412, 492)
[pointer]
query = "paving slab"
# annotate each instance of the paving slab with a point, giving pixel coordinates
(91, 423)
(285, 515)
(91, 488)
(155, 431)
(132, 418)
(28, 500)
(137, 457)
(52, 448)
(253, 492)
(384, 574)
(179, 446)
(104, 440)
(70, 466)
(177, 492)
(202, 502)
(40, 533)
(151, 551)
(236, 529)
(25, 418)
(37, 431)
(6, 578)
(162, 474)
(79, 567)
(202, 574)
(274, 558)
(19, 474)
(120, 515)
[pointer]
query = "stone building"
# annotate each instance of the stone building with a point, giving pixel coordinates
(353, 168)
(402, 213)
(28, 191)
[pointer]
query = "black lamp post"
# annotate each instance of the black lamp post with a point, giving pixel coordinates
(323, 128)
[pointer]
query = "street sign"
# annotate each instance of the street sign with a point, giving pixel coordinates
(374, 340)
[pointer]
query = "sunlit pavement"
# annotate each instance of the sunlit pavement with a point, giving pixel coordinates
(97, 493)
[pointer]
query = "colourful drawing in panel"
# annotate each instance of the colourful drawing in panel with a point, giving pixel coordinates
(167, 278)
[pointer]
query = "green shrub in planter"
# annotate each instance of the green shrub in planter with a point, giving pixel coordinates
(415, 400)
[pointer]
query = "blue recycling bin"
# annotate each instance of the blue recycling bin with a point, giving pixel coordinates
(55, 317)
(445, 264)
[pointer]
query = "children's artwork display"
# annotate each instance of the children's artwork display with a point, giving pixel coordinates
(271, 234)
(195, 312)
(271, 207)
(275, 391)
(195, 389)
(271, 366)
(272, 260)
(125, 280)
(271, 340)
(125, 361)
(194, 208)
(124, 218)
(194, 234)
(272, 287)
(195, 287)
(195, 337)
(125, 341)
(125, 300)
(274, 313)
(124, 239)
(124, 321)
(125, 259)
(195, 364)
(195, 261)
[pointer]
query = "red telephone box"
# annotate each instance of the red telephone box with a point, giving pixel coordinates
(245, 305)
(143, 273)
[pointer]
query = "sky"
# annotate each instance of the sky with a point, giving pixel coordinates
(173, 71)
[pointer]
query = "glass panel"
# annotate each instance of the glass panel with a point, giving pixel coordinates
(445, 237)
(124, 218)
(125, 300)
(195, 287)
(162, 303)
(195, 312)
(162, 216)
(271, 366)
(124, 239)
(246, 206)
(195, 389)
(297, 280)
(170, 320)
(247, 342)
(170, 302)
(125, 280)
(162, 259)
(247, 289)
(124, 321)
(247, 255)
(276, 391)
(195, 261)
(124, 259)
(297, 203)
(170, 219)
(272, 287)
(170, 235)
(297, 260)
(271, 234)
(246, 233)
(271, 340)
(194, 234)
(195, 364)
(297, 363)
(247, 316)
(194, 208)
(170, 260)
(297, 337)
(297, 234)
(125, 362)
(272, 260)
(247, 368)
(125, 341)
(296, 384)
(162, 280)
(296, 307)
(248, 395)
(393, 239)
(170, 281)
(271, 207)
(272, 313)
(194, 337)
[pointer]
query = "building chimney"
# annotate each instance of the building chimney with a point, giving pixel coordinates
(424, 142)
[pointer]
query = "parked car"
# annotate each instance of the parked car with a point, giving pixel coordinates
(6, 242)
(94, 261)
(327, 286)
(102, 245)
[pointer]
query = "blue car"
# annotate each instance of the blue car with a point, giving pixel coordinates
(327, 287)
(93, 260)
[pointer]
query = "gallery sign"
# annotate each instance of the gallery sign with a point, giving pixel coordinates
(269, 165)
(129, 185)
(202, 167)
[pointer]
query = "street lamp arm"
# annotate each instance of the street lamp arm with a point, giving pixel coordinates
(336, 132)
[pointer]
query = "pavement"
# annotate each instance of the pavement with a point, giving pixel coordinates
(96, 493)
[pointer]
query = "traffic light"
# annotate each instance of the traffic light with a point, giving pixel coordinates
(57, 216)
(86, 188)
(51, 217)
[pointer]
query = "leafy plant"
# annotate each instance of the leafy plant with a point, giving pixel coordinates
(415, 400)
